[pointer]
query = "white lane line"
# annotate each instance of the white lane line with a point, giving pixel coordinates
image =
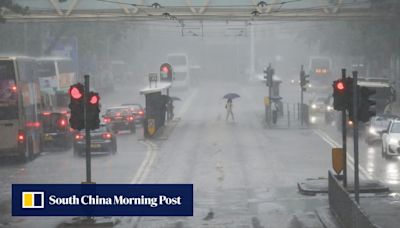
(350, 159)
(144, 168)
(187, 103)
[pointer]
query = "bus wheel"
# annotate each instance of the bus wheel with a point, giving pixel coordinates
(27, 155)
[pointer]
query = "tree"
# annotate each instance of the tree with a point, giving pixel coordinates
(9, 5)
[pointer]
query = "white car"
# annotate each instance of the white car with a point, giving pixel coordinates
(391, 140)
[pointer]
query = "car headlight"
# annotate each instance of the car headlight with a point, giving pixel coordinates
(329, 108)
(313, 106)
(309, 85)
(313, 119)
(373, 131)
(393, 141)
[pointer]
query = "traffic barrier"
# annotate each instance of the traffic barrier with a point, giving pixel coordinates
(344, 207)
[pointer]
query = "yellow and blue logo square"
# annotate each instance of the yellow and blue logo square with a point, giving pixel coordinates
(32, 199)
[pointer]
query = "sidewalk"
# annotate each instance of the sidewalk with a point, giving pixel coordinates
(382, 210)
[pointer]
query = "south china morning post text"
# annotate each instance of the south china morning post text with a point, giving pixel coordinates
(102, 200)
(116, 200)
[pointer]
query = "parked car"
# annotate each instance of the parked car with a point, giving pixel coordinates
(391, 140)
(137, 110)
(56, 130)
(120, 118)
(102, 141)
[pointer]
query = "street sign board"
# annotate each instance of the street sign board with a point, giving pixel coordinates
(337, 160)
(153, 77)
(151, 126)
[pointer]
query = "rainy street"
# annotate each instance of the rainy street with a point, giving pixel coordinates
(243, 172)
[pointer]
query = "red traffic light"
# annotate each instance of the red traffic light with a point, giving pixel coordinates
(76, 91)
(165, 69)
(94, 99)
(340, 86)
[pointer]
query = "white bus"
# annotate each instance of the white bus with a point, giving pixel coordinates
(181, 69)
(55, 75)
(20, 108)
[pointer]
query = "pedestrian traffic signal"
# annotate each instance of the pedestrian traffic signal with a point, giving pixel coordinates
(166, 72)
(76, 105)
(366, 104)
(93, 111)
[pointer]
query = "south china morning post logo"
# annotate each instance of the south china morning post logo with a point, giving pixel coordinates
(102, 200)
(33, 200)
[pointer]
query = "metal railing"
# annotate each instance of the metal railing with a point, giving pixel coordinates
(349, 214)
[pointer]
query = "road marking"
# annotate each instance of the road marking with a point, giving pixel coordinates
(145, 167)
(187, 103)
(350, 159)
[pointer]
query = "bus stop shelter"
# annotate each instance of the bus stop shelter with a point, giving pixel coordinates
(155, 107)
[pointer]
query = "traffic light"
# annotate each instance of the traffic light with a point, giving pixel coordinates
(304, 80)
(366, 105)
(93, 111)
(77, 120)
(339, 95)
(343, 95)
(269, 76)
(166, 72)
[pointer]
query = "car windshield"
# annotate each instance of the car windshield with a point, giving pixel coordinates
(118, 112)
(395, 128)
(54, 122)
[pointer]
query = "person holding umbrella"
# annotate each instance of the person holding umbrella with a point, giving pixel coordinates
(229, 105)
(229, 111)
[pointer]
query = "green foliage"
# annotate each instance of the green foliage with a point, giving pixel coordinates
(10, 5)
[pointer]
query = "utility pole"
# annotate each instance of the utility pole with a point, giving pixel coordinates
(302, 75)
(87, 131)
(344, 138)
(355, 137)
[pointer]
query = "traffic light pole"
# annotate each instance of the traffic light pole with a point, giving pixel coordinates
(301, 96)
(355, 137)
(87, 132)
(344, 138)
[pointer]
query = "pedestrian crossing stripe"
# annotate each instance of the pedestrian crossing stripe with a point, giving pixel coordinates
(33, 200)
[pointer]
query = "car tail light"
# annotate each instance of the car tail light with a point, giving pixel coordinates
(107, 120)
(130, 118)
(21, 136)
(141, 113)
(46, 113)
(107, 135)
(63, 123)
(79, 137)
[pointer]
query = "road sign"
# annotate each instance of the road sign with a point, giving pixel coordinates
(337, 160)
(153, 77)
(151, 126)
(266, 101)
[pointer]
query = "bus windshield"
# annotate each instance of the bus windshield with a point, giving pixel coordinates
(8, 91)
(177, 60)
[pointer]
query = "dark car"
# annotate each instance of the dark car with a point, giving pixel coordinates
(137, 110)
(120, 118)
(56, 130)
(102, 141)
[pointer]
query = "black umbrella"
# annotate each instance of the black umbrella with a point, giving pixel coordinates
(231, 96)
(175, 98)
